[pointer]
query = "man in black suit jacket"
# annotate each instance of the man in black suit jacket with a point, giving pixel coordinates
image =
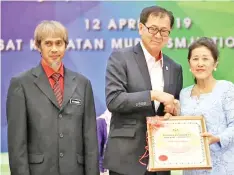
(51, 114)
(140, 82)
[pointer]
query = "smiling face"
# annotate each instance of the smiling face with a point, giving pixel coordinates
(202, 63)
(160, 26)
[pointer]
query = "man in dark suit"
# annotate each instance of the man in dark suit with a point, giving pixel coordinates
(51, 114)
(140, 82)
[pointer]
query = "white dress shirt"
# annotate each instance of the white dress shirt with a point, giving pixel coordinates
(155, 69)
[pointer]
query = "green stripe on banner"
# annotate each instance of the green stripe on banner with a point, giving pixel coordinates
(5, 166)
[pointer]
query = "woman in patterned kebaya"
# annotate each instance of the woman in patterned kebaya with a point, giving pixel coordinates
(214, 99)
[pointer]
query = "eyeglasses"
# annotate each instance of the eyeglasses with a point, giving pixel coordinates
(155, 30)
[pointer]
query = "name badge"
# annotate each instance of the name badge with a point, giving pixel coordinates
(75, 101)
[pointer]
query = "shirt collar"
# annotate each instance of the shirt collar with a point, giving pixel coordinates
(149, 57)
(49, 71)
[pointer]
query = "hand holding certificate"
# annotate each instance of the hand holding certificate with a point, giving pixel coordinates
(178, 144)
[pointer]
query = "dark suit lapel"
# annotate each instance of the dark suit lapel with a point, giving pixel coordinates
(43, 84)
(166, 73)
(140, 59)
(69, 86)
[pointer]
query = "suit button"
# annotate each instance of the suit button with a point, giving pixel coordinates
(61, 135)
(61, 154)
(60, 115)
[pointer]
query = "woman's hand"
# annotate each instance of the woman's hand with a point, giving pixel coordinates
(173, 109)
(211, 138)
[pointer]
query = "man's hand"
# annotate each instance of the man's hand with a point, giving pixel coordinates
(162, 97)
(174, 110)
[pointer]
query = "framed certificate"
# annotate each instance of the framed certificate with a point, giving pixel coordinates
(178, 144)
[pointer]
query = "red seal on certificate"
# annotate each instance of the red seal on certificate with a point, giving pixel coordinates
(163, 158)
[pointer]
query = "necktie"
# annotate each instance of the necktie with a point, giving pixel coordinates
(57, 90)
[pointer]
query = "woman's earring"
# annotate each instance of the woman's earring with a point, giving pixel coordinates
(215, 69)
(190, 70)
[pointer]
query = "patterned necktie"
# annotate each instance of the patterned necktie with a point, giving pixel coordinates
(57, 89)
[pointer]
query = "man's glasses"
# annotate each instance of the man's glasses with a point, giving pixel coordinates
(155, 30)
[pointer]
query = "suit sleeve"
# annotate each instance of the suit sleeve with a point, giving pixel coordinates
(90, 134)
(180, 83)
(118, 99)
(17, 129)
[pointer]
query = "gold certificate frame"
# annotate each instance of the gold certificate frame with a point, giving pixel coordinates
(178, 144)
